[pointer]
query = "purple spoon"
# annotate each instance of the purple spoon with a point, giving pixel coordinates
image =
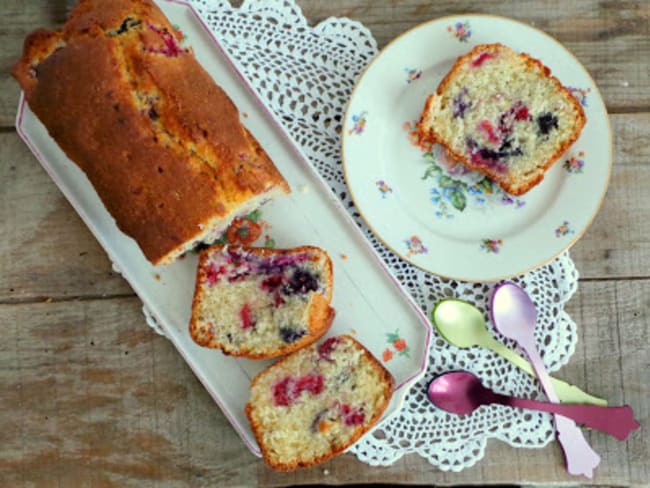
(515, 316)
(461, 392)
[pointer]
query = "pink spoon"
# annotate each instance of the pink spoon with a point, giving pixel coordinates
(515, 316)
(461, 392)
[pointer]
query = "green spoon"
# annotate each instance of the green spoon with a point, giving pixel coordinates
(463, 325)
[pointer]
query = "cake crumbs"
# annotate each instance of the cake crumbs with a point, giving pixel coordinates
(326, 472)
(304, 189)
(157, 277)
(245, 115)
(49, 300)
(344, 257)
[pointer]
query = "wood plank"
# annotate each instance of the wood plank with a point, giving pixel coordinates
(51, 253)
(47, 250)
(616, 244)
(93, 397)
(611, 39)
(19, 18)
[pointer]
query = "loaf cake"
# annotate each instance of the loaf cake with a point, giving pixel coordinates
(316, 402)
(160, 142)
(261, 303)
(502, 114)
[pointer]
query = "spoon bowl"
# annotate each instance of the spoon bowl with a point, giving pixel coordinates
(514, 313)
(460, 323)
(457, 392)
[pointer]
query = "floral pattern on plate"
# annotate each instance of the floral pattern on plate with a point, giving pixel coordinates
(397, 346)
(456, 187)
(580, 94)
(384, 188)
(247, 230)
(358, 123)
(412, 74)
(491, 246)
(575, 164)
(415, 246)
(564, 229)
(460, 30)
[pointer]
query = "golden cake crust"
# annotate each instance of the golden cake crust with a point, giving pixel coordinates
(428, 133)
(160, 142)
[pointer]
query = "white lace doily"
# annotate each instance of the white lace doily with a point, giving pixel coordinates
(305, 74)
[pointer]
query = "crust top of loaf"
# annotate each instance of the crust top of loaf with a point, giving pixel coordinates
(160, 142)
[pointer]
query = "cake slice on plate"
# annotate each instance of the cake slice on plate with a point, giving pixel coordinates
(503, 114)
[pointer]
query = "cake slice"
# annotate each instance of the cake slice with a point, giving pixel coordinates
(504, 115)
(261, 303)
(315, 403)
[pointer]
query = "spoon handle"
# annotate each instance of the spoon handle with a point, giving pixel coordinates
(579, 456)
(568, 393)
(615, 421)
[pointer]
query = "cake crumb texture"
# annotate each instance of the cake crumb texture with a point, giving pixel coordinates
(261, 303)
(315, 403)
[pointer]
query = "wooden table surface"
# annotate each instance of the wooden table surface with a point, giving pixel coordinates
(91, 396)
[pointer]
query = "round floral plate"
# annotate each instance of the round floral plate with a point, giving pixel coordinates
(435, 213)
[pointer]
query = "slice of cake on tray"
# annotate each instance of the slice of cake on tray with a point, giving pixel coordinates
(316, 402)
(504, 115)
(261, 303)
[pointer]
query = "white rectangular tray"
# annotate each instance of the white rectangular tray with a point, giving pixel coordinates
(369, 303)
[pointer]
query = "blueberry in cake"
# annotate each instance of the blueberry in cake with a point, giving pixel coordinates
(316, 402)
(161, 143)
(260, 303)
(504, 115)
